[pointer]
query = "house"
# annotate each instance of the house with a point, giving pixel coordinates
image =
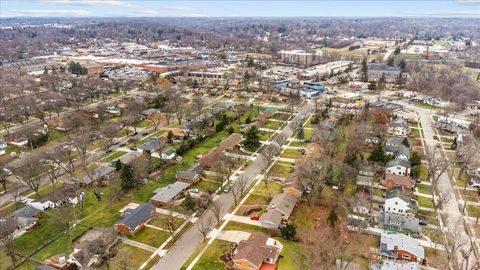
(191, 175)
(3, 147)
(391, 265)
(135, 219)
(258, 252)
(399, 203)
(165, 195)
(93, 69)
(401, 247)
(231, 141)
(371, 139)
(395, 141)
(127, 159)
(178, 134)
(101, 173)
(398, 167)
(150, 112)
(356, 223)
(292, 187)
(399, 127)
(168, 155)
(392, 181)
(406, 224)
(398, 151)
(211, 157)
(16, 139)
(67, 194)
(152, 146)
(27, 217)
(278, 210)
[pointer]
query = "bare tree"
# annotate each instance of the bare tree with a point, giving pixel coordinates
(441, 199)
(3, 179)
(242, 184)
(437, 165)
(110, 132)
(468, 152)
(8, 225)
(224, 169)
(203, 226)
(198, 103)
(15, 190)
(216, 210)
(30, 171)
(171, 223)
(64, 158)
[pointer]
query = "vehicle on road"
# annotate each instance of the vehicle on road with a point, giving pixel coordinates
(226, 189)
(435, 137)
(278, 179)
(255, 217)
(194, 190)
(422, 223)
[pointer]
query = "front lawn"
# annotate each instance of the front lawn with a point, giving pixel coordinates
(150, 236)
(423, 173)
(298, 144)
(424, 189)
(211, 258)
(425, 202)
(113, 156)
(279, 170)
(128, 257)
(473, 211)
(291, 153)
(273, 124)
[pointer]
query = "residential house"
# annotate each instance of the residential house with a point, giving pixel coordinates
(399, 127)
(395, 141)
(191, 175)
(231, 141)
(168, 155)
(474, 175)
(209, 159)
(16, 139)
(67, 194)
(399, 203)
(401, 247)
(406, 224)
(3, 147)
(392, 181)
(164, 196)
(356, 223)
(127, 159)
(371, 139)
(135, 219)
(278, 210)
(102, 173)
(150, 112)
(178, 134)
(393, 265)
(258, 252)
(397, 152)
(292, 187)
(27, 217)
(152, 146)
(398, 167)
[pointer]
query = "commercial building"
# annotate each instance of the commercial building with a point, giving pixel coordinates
(300, 57)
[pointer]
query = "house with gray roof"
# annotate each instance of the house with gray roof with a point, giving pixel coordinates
(151, 146)
(3, 147)
(100, 173)
(127, 159)
(26, 217)
(391, 265)
(135, 219)
(166, 195)
(398, 167)
(401, 247)
(191, 175)
(397, 151)
(280, 208)
(400, 223)
(398, 203)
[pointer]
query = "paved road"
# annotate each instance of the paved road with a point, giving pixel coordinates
(454, 217)
(179, 253)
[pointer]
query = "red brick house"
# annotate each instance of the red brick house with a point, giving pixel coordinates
(135, 219)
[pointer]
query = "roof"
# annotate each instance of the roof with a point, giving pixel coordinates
(231, 141)
(166, 194)
(191, 173)
(152, 145)
(135, 217)
(396, 194)
(400, 180)
(99, 173)
(398, 150)
(272, 216)
(284, 203)
(398, 162)
(66, 191)
(395, 141)
(212, 156)
(27, 212)
(388, 242)
(400, 221)
(390, 265)
(255, 249)
(150, 111)
(129, 157)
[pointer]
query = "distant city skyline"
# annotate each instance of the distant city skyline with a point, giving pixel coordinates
(118, 8)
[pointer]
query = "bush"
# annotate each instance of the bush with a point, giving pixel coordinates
(288, 231)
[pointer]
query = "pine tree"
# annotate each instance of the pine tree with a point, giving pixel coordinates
(332, 218)
(288, 231)
(188, 203)
(364, 75)
(301, 133)
(170, 136)
(126, 177)
(377, 154)
(397, 51)
(372, 86)
(252, 140)
(391, 61)
(402, 65)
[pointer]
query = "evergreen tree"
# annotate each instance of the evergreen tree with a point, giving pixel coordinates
(170, 136)
(332, 218)
(364, 75)
(372, 86)
(415, 159)
(252, 140)
(250, 62)
(377, 154)
(397, 51)
(391, 61)
(188, 203)
(231, 130)
(402, 65)
(288, 231)
(301, 133)
(118, 165)
(126, 177)
(248, 120)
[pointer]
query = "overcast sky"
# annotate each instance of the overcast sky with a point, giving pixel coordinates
(152, 8)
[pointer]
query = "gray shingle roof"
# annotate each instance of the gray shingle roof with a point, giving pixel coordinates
(400, 221)
(398, 162)
(403, 242)
(166, 194)
(133, 218)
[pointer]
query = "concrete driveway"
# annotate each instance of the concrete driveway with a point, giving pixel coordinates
(233, 236)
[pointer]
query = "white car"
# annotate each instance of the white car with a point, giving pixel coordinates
(194, 190)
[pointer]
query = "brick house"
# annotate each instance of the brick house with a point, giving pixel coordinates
(401, 247)
(135, 219)
(258, 252)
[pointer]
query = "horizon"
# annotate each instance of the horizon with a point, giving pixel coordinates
(239, 9)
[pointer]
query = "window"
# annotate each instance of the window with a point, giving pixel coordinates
(406, 256)
(396, 203)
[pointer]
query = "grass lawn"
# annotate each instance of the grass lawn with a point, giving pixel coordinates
(237, 226)
(293, 258)
(272, 189)
(265, 135)
(55, 135)
(425, 202)
(470, 195)
(415, 133)
(11, 148)
(298, 144)
(462, 180)
(145, 124)
(150, 236)
(273, 124)
(424, 189)
(44, 191)
(280, 170)
(114, 156)
(423, 173)
(194, 255)
(378, 192)
(291, 153)
(205, 186)
(152, 262)
(307, 134)
(211, 258)
(436, 258)
(427, 216)
(473, 211)
(156, 220)
(128, 257)
(434, 234)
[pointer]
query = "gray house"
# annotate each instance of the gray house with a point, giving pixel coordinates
(279, 209)
(406, 224)
(165, 195)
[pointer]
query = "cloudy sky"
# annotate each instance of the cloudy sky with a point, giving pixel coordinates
(232, 8)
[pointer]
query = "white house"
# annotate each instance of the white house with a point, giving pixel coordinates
(399, 203)
(3, 147)
(398, 167)
(168, 155)
(399, 127)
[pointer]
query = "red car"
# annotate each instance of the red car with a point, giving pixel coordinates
(255, 217)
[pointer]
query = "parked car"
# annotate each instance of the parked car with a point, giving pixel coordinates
(418, 180)
(194, 190)
(226, 189)
(145, 134)
(435, 137)
(7, 171)
(123, 144)
(422, 223)
(133, 148)
(278, 179)
(255, 217)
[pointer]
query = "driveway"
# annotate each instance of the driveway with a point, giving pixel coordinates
(233, 236)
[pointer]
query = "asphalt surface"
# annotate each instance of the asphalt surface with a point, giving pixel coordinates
(183, 248)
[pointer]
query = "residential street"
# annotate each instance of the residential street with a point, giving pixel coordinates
(183, 248)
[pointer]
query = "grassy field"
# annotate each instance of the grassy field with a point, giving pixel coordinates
(298, 144)
(423, 173)
(425, 202)
(291, 153)
(128, 257)
(424, 189)
(280, 170)
(113, 156)
(150, 236)
(273, 124)
(211, 258)
(473, 211)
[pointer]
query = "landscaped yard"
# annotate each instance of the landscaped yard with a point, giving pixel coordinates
(211, 258)
(425, 202)
(279, 170)
(473, 211)
(128, 257)
(150, 236)
(281, 116)
(206, 186)
(265, 135)
(298, 144)
(291, 153)
(273, 124)
(157, 223)
(423, 173)
(424, 189)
